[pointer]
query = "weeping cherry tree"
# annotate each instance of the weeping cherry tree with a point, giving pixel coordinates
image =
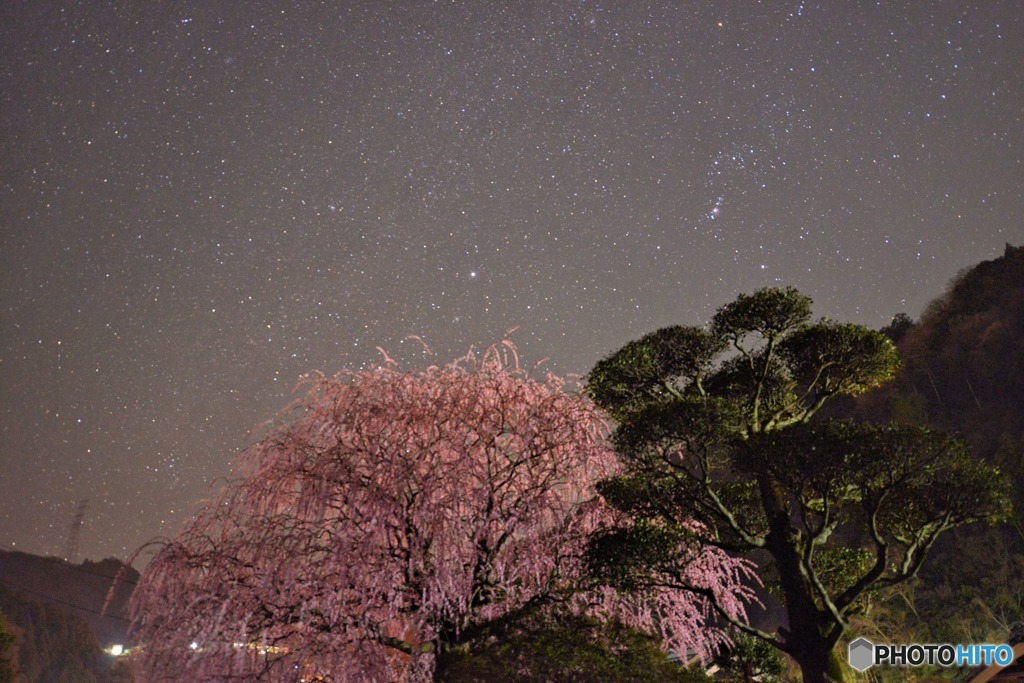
(390, 514)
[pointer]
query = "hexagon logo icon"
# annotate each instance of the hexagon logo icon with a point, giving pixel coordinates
(861, 654)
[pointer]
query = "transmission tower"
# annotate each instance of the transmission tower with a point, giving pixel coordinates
(75, 532)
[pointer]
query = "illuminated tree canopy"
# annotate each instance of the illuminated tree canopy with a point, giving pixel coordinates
(714, 426)
(390, 514)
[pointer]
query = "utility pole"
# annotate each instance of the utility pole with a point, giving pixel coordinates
(75, 532)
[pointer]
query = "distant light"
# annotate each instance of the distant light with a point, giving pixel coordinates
(117, 650)
(194, 645)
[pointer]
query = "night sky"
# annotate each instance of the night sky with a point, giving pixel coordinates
(201, 203)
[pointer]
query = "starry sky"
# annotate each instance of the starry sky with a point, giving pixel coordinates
(201, 202)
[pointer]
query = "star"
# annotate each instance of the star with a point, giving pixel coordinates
(205, 207)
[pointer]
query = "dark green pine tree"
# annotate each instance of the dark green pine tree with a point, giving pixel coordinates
(715, 425)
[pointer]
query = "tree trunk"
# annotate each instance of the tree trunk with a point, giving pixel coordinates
(818, 665)
(807, 639)
(809, 645)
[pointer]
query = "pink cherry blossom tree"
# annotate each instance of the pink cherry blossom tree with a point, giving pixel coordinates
(390, 512)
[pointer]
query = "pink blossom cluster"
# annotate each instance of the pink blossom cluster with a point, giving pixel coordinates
(388, 513)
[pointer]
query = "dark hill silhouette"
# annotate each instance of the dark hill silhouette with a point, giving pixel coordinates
(963, 372)
(78, 589)
(964, 361)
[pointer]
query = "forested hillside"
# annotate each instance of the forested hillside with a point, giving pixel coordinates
(54, 611)
(963, 372)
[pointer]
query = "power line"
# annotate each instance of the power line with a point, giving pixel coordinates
(49, 598)
(63, 564)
